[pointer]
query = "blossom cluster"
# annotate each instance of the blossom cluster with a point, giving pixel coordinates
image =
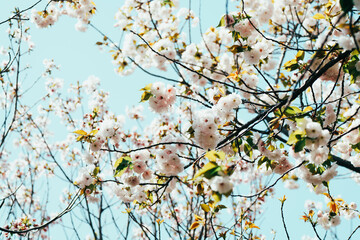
(82, 10)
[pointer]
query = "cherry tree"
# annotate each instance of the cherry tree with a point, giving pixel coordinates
(265, 98)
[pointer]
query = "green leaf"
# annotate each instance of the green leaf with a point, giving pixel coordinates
(356, 147)
(320, 170)
(228, 193)
(311, 168)
(222, 22)
(191, 131)
(300, 55)
(350, 68)
(238, 49)
(262, 160)
(167, 2)
(328, 162)
(236, 36)
(146, 96)
(291, 65)
(121, 165)
(291, 111)
(346, 5)
(219, 207)
(96, 171)
(295, 136)
(248, 134)
(251, 143)
(235, 144)
(210, 170)
(248, 150)
(299, 146)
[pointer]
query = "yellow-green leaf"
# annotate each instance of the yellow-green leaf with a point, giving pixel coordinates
(121, 165)
(209, 170)
(319, 16)
(213, 155)
(217, 197)
(291, 65)
(252, 225)
(198, 218)
(81, 132)
(194, 225)
(308, 109)
(145, 96)
(147, 87)
(79, 138)
(295, 136)
(96, 171)
(159, 221)
(93, 132)
(283, 199)
(292, 110)
(205, 207)
(300, 55)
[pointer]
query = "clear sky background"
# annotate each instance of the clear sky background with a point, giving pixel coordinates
(80, 57)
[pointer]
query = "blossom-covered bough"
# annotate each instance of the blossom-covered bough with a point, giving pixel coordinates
(269, 95)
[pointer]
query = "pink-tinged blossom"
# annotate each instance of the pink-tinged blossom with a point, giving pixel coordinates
(282, 166)
(91, 84)
(319, 155)
(346, 42)
(245, 27)
(313, 129)
(142, 155)
(132, 181)
(291, 184)
(140, 196)
(205, 128)
(147, 174)
(135, 112)
(163, 97)
(139, 166)
(95, 146)
(330, 115)
(107, 128)
(54, 84)
(84, 178)
(171, 186)
(355, 160)
(226, 105)
(88, 158)
(229, 20)
(324, 138)
(221, 184)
